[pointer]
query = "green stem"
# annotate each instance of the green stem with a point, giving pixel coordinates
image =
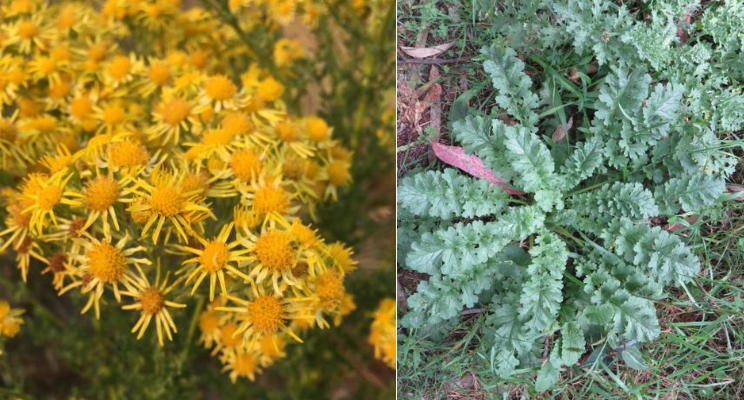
(563, 232)
(192, 326)
(586, 189)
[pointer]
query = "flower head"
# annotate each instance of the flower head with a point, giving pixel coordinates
(10, 321)
(165, 200)
(152, 302)
(221, 93)
(104, 263)
(215, 259)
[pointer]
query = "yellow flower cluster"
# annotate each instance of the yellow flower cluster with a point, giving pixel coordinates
(148, 171)
(382, 333)
(10, 321)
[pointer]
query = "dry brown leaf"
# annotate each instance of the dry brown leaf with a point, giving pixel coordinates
(559, 134)
(433, 73)
(434, 93)
(418, 112)
(423, 52)
(505, 118)
(405, 90)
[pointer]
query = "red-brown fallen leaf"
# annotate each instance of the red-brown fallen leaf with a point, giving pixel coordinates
(470, 163)
(681, 31)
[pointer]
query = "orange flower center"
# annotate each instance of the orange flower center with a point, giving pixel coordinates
(209, 321)
(47, 66)
(120, 67)
(60, 54)
(127, 154)
(317, 129)
(220, 88)
(153, 11)
(217, 137)
(80, 107)
(106, 262)
(270, 89)
(338, 173)
(166, 200)
(113, 115)
(49, 197)
(286, 131)
(175, 111)
(330, 288)
(245, 164)
(270, 199)
(152, 301)
(275, 251)
(159, 73)
(101, 193)
(214, 256)
(199, 58)
(237, 124)
(66, 19)
(27, 29)
(266, 313)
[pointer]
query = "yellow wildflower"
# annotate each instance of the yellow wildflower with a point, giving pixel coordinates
(10, 323)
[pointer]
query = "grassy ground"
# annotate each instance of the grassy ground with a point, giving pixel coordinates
(700, 353)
